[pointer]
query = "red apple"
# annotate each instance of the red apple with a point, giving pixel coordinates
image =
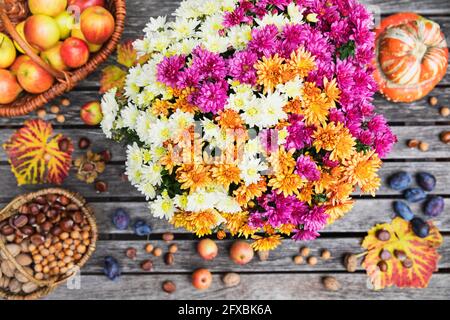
(33, 78)
(84, 4)
(9, 88)
(41, 32)
(207, 249)
(201, 279)
(20, 59)
(47, 7)
(97, 24)
(91, 113)
(20, 28)
(74, 52)
(53, 57)
(76, 33)
(241, 252)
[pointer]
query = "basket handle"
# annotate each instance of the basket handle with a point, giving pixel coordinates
(62, 76)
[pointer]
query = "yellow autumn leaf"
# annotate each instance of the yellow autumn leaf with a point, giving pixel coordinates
(403, 244)
(36, 157)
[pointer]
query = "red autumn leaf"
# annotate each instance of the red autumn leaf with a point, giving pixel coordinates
(112, 77)
(403, 243)
(35, 156)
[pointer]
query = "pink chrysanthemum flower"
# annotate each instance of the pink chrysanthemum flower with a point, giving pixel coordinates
(168, 70)
(212, 97)
(307, 168)
(241, 67)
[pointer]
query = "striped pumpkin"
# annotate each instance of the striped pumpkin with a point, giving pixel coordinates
(411, 57)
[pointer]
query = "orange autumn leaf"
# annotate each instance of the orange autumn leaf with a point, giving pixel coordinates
(421, 251)
(112, 77)
(126, 55)
(35, 155)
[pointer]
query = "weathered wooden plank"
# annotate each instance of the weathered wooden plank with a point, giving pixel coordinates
(119, 188)
(281, 259)
(438, 150)
(365, 214)
(271, 286)
(145, 8)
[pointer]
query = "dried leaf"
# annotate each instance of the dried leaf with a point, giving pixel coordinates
(421, 251)
(112, 77)
(35, 156)
(126, 55)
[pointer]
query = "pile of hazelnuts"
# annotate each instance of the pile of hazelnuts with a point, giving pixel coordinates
(53, 231)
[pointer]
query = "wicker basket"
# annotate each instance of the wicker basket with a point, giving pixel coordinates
(46, 286)
(14, 11)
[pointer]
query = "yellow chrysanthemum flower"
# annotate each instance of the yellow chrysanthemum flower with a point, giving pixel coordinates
(194, 177)
(244, 193)
(301, 63)
(361, 170)
(288, 185)
(266, 243)
(226, 174)
(335, 138)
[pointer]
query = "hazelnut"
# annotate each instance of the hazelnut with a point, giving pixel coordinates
(305, 251)
(312, 261)
(41, 113)
(445, 111)
(331, 284)
(433, 101)
(157, 252)
(148, 248)
(325, 254)
(147, 265)
(413, 143)
(169, 287)
(65, 102)
(445, 137)
(173, 248)
(351, 262)
(423, 146)
(298, 259)
(54, 109)
(60, 118)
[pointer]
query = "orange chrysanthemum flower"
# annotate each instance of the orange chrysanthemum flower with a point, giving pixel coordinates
(361, 170)
(266, 243)
(246, 231)
(235, 221)
(270, 72)
(332, 91)
(161, 107)
(338, 210)
(301, 63)
(335, 138)
(230, 119)
(286, 229)
(293, 106)
(226, 174)
(282, 161)
(287, 184)
(244, 193)
(193, 177)
(200, 223)
(315, 104)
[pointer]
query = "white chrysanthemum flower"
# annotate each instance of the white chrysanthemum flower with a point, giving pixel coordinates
(134, 174)
(227, 204)
(142, 46)
(216, 43)
(253, 115)
(158, 152)
(110, 108)
(200, 200)
(292, 88)
(239, 100)
(252, 148)
(152, 173)
(159, 41)
(212, 25)
(188, 9)
(239, 36)
(228, 5)
(180, 121)
(155, 25)
(272, 109)
(279, 20)
(160, 132)
(183, 28)
(250, 170)
(163, 207)
(209, 7)
(181, 201)
(210, 129)
(130, 116)
(295, 13)
(186, 46)
(131, 88)
(148, 190)
(134, 155)
(144, 123)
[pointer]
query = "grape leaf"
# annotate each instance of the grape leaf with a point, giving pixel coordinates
(112, 77)
(421, 251)
(126, 55)
(36, 157)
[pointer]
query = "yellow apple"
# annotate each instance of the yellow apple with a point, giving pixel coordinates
(47, 7)
(65, 22)
(20, 30)
(7, 51)
(53, 57)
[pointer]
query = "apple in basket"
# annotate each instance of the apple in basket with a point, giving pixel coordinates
(41, 32)
(7, 51)
(53, 57)
(33, 78)
(16, 65)
(9, 88)
(47, 7)
(66, 22)
(84, 4)
(74, 52)
(97, 24)
(20, 28)
(76, 33)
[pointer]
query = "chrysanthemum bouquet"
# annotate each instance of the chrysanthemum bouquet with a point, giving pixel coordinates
(252, 117)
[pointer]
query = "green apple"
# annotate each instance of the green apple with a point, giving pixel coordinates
(7, 51)
(65, 22)
(47, 7)
(76, 33)
(20, 30)
(41, 31)
(53, 57)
